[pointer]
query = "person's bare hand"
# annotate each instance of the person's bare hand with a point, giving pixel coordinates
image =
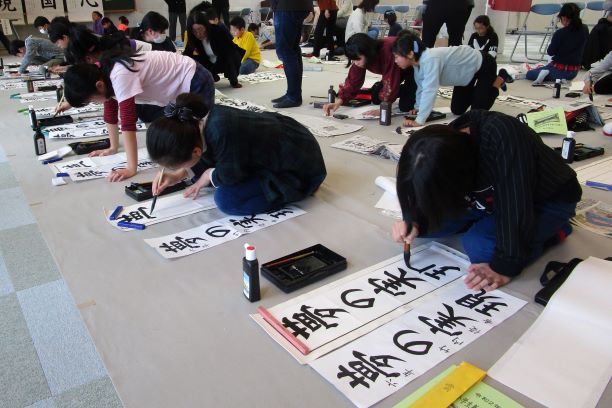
(399, 232)
(481, 276)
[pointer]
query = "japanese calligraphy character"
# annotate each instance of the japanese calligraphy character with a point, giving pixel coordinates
(488, 321)
(473, 300)
(246, 222)
(140, 214)
(7, 5)
(436, 273)
(181, 244)
(445, 349)
(280, 213)
(80, 164)
(364, 370)
(47, 4)
(411, 346)
(391, 383)
(408, 373)
(89, 3)
(217, 231)
(474, 330)
(359, 303)
(449, 321)
(392, 286)
(311, 320)
(456, 341)
(90, 173)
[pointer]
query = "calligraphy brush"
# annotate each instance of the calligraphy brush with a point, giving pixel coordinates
(590, 87)
(59, 103)
(407, 249)
(159, 180)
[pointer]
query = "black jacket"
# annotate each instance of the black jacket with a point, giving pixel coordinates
(229, 55)
(176, 6)
(292, 5)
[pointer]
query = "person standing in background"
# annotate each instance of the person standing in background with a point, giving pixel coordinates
(222, 8)
(326, 23)
(176, 10)
(288, 18)
(455, 13)
(98, 28)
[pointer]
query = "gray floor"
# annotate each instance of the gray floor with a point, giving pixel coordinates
(47, 358)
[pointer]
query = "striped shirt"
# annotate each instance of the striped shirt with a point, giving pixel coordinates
(521, 172)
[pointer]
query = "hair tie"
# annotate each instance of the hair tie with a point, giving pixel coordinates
(183, 114)
(415, 47)
(97, 63)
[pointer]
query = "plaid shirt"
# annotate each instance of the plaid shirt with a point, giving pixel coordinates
(280, 152)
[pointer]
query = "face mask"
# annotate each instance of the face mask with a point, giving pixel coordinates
(43, 31)
(160, 39)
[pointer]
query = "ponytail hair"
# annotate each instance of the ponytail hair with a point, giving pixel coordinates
(172, 138)
(486, 22)
(406, 42)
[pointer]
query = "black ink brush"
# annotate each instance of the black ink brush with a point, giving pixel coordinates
(407, 249)
(159, 180)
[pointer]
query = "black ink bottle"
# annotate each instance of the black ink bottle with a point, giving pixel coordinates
(32, 114)
(557, 90)
(250, 274)
(331, 95)
(40, 146)
(385, 113)
(567, 149)
(1, 66)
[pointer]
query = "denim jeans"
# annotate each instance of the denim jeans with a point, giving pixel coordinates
(243, 199)
(480, 230)
(203, 84)
(554, 73)
(288, 28)
(248, 67)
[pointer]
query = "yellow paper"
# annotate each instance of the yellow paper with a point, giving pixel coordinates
(548, 121)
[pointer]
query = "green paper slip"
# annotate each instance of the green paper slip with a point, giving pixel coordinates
(479, 395)
(548, 121)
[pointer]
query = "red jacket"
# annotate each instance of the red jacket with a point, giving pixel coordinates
(384, 65)
(327, 5)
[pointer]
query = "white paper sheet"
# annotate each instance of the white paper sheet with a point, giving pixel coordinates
(367, 297)
(323, 127)
(50, 110)
(381, 362)
(564, 359)
(166, 208)
(193, 241)
(214, 233)
(93, 123)
(260, 77)
(240, 104)
(88, 168)
(599, 171)
(89, 131)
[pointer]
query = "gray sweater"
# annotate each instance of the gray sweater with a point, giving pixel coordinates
(39, 50)
(600, 68)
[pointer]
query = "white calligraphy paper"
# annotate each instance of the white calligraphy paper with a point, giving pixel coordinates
(222, 230)
(37, 96)
(193, 241)
(166, 208)
(323, 127)
(89, 168)
(259, 77)
(240, 104)
(80, 10)
(381, 362)
(90, 130)
(50, 111)
(47, 8)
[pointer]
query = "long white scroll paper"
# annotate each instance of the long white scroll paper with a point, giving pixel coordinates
(82, 130)
(260, 77)
(335, 314)
(50, 110)
(324, 127)
(166, 208)
(36, 96)
(378, 364)
(226, 229)
(89, 168)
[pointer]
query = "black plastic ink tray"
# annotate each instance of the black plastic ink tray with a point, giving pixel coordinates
(143, 191)
(302, 268)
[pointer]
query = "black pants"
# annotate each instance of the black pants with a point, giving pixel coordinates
(182, 18)
(328, 25)
(455, 13)
(407, 91)
(223, 12)
(148, 113)
(4, 40)
(480, 92)
(604, 85)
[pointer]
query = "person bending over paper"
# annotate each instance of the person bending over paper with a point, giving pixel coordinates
(252, 171)
(491, 177)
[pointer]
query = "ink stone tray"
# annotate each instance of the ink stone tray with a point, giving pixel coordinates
(296, 270)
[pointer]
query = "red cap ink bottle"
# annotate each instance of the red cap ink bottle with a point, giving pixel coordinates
(250, 274)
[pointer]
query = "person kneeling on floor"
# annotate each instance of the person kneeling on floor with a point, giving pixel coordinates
(252, 171)
(491, 177)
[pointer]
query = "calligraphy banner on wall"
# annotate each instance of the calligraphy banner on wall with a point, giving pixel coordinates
(47, 8)
(80, 10)
(11, 10)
